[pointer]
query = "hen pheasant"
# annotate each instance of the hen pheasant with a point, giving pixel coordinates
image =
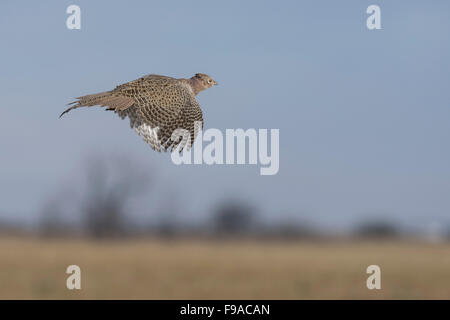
(163, 110)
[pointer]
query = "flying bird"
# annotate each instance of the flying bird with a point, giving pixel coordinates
(163, 110)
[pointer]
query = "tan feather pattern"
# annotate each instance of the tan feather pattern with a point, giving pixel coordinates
(157, 106)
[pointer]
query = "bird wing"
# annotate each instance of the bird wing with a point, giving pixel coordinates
(119, 99)
(163, 105)
(193, 120)
(186, 127)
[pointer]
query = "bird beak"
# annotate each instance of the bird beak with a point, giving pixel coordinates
(215, 83)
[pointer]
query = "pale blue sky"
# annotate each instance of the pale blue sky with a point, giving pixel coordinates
(363, 115)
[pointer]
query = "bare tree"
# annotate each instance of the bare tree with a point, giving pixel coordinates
(111, 182)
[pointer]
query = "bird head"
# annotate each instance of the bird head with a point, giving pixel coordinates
(205, 80)
(200, 82)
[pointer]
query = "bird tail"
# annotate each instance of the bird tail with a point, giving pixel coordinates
(101, 99)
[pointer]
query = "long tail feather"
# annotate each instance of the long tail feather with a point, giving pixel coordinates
(102, 99)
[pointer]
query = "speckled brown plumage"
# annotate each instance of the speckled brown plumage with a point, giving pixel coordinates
(157, 106)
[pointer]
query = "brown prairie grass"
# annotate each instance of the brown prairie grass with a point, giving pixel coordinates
(32, 268)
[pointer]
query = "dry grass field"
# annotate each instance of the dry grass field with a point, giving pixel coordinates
(192, 269)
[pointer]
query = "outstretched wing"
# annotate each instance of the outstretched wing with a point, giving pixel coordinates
(186, 127)
(193, 121)
(119, 99)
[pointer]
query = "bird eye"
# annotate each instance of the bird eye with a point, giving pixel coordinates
(209, 80)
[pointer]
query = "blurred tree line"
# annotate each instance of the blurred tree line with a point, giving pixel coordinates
(100, 204)
(109, 185)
